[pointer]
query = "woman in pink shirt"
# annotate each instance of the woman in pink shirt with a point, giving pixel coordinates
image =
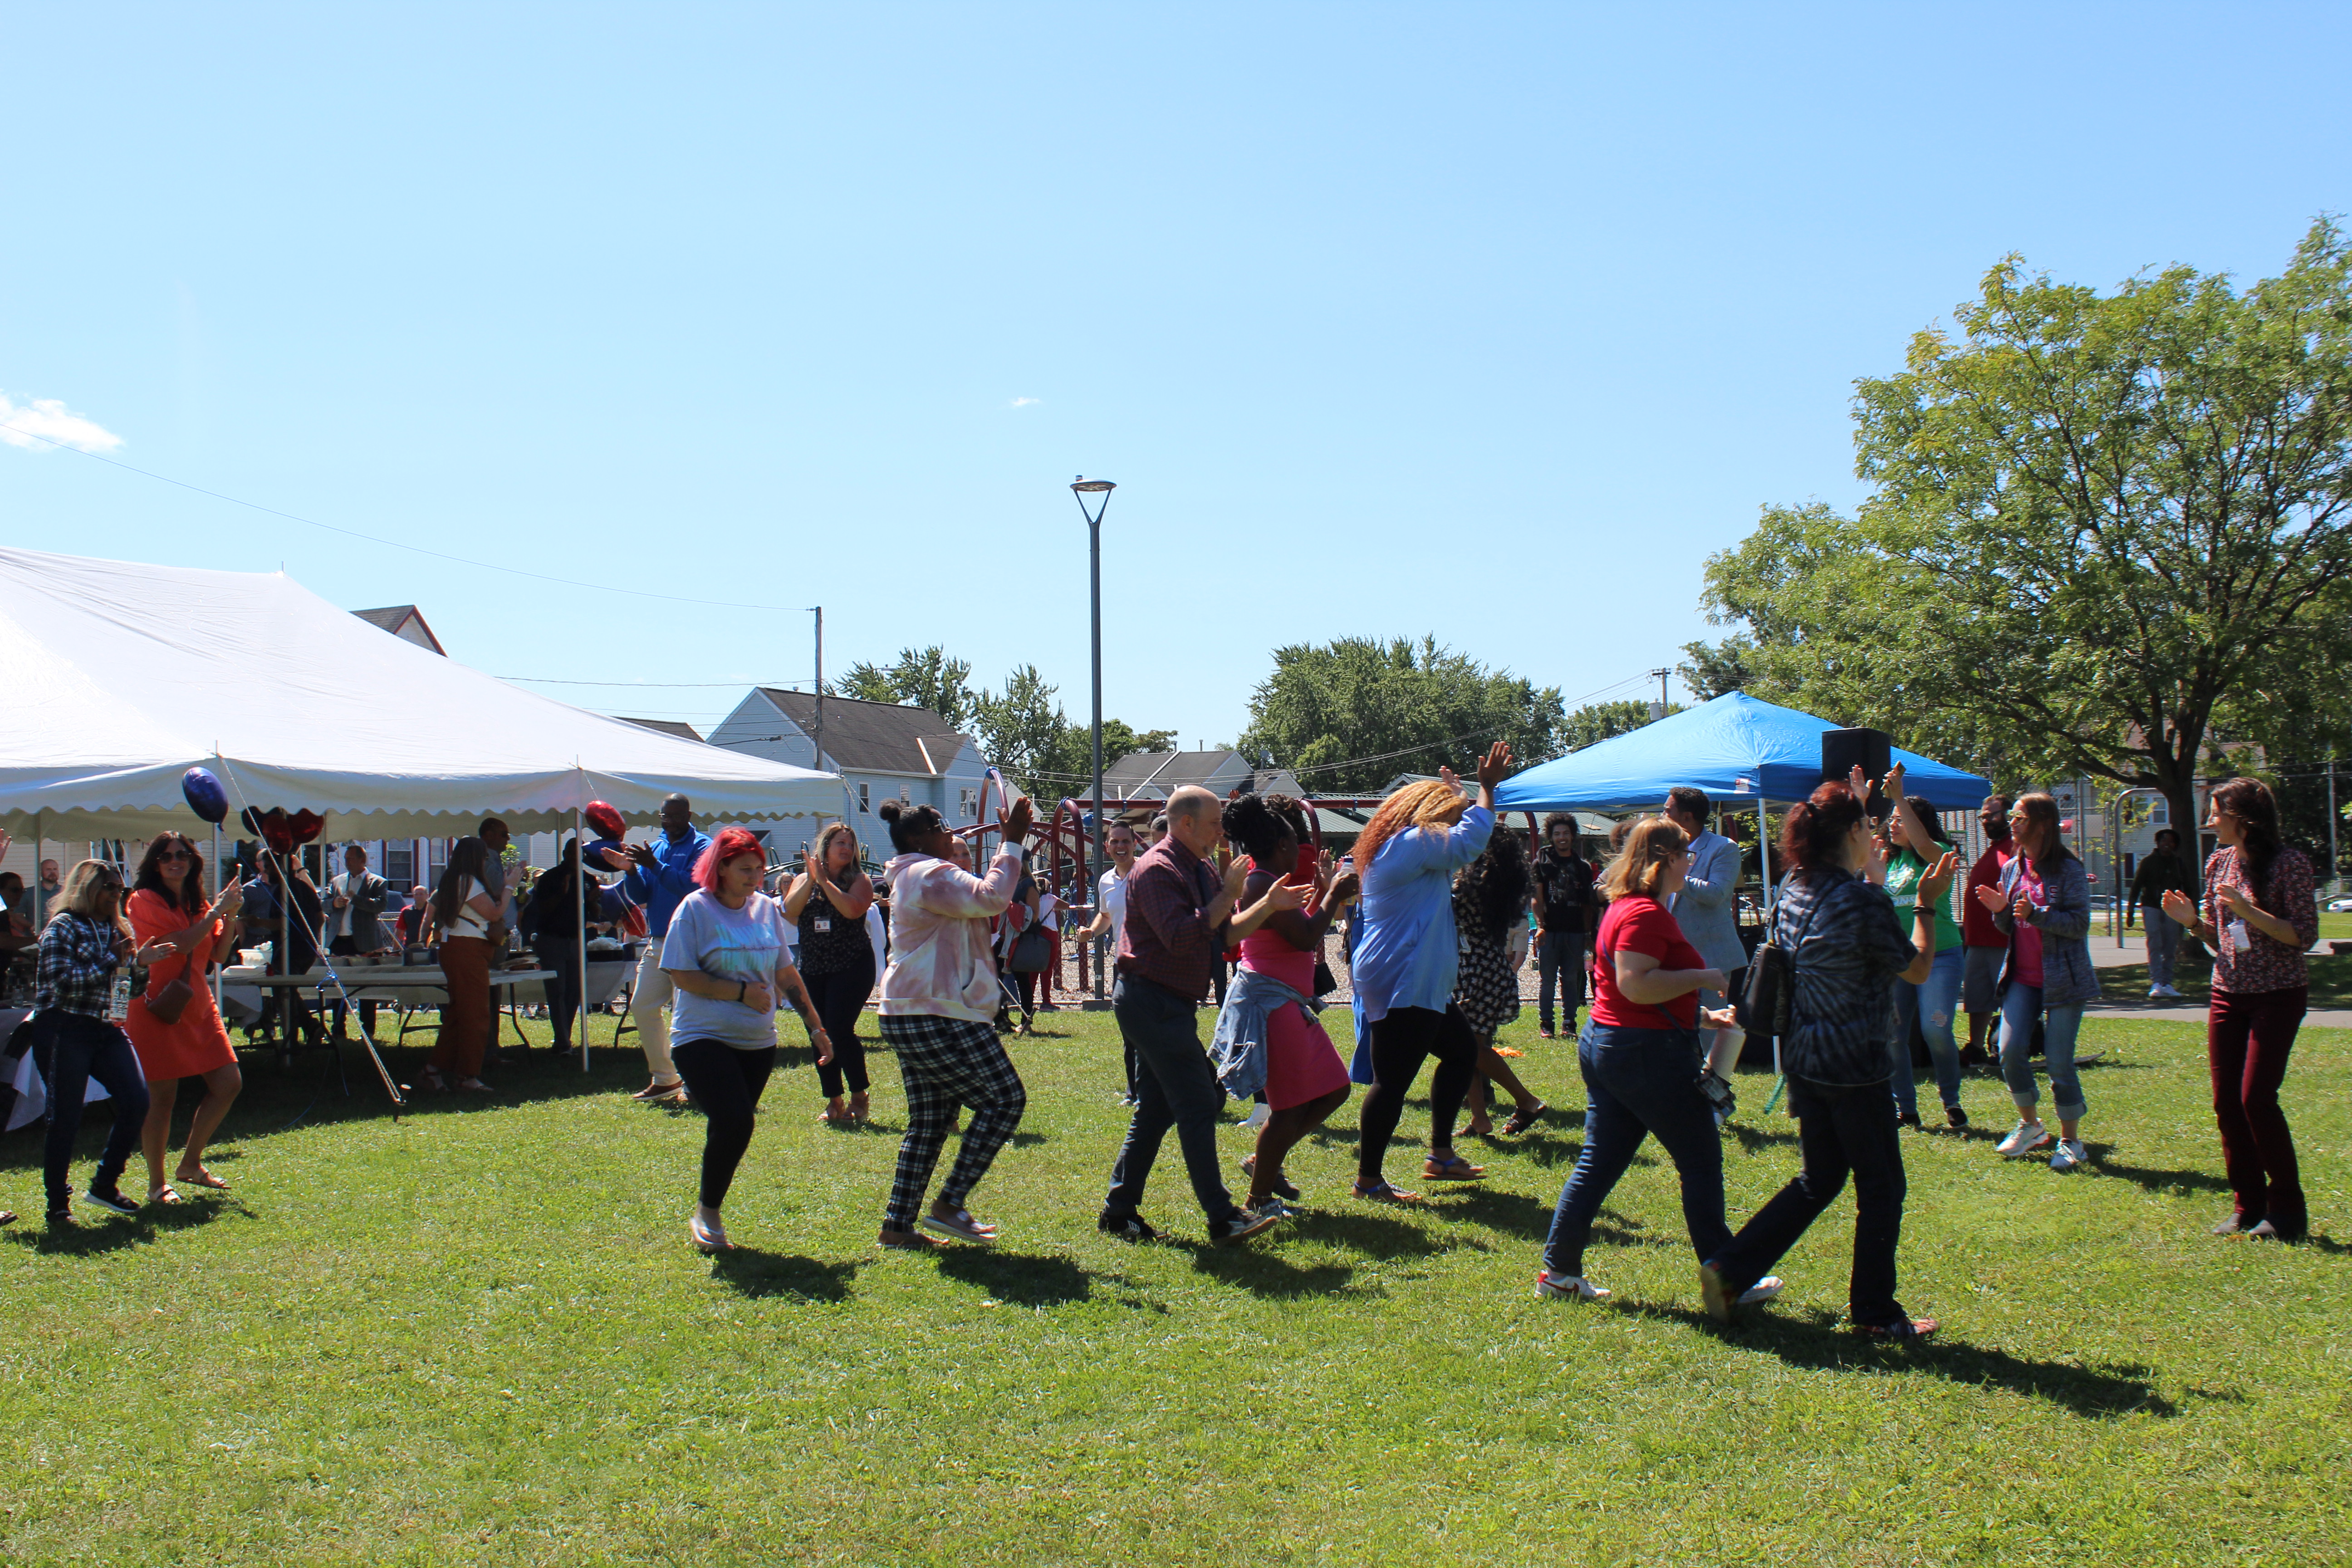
(2258, 920)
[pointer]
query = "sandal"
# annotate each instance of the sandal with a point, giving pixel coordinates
(708, 1237)
(1452, 1168)
(161, 1192)
(473, 1086)
(830, 1119)
(1522, 1119)
(907, 1241)
(200, 1177)
(1382, 1192)
(433, 1080)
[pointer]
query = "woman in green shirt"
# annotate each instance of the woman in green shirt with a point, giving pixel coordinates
(1918, 839)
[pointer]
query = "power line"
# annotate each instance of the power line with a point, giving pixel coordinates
(401, 544)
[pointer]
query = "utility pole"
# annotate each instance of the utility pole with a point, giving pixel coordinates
(816, 735)
(1658, 709)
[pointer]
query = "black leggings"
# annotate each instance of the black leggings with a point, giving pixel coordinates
(1400, 1042)
(726, 1083)
(76, 1049)
(838, 998)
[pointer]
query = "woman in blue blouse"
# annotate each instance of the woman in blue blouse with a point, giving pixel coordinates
(1406, 960)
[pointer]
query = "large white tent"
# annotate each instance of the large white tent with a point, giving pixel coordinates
(116, 678)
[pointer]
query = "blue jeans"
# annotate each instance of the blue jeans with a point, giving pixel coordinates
(1560, 965)
(78, 1049)
(1641, 1082)
(2020, 1006)
(2163, 944)
(1933, 1002)
(1176, 1088)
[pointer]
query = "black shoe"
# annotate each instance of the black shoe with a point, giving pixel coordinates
(61, 1214)
(1954, 1118)
(112, 1202)
(1243, 1224)
(1126, 1227)
(1907, 1119)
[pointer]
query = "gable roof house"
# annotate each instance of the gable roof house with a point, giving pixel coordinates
(405, 622)
(1154, 775)
(883, 751)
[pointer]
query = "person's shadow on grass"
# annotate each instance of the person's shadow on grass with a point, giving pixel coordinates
(1817, 1340)
(749, 1272)
(1023, 1278)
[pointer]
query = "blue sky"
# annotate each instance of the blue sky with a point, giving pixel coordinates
(1487, 321)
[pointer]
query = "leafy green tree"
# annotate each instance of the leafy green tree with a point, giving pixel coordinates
(1022, 729)
(2103, 527)
(921, 677)
(1598, 721)
(1351, 715)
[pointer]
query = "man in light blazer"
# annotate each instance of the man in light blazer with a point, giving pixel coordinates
(1705, 907)
(355, 903)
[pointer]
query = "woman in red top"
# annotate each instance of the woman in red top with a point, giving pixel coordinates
(168, 909)
(1641, 1059)
(2258, 920)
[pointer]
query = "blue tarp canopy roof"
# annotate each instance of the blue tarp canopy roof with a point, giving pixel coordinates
(1734, 748)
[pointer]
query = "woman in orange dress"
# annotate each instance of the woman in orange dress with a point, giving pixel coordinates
(168, 909)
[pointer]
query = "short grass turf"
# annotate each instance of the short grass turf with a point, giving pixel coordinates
(479, 1334)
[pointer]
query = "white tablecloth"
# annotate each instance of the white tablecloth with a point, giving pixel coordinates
(32, 1094)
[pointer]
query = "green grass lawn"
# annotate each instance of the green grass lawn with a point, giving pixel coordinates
(479, 1334)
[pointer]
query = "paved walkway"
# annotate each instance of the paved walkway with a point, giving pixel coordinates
(2107, 954)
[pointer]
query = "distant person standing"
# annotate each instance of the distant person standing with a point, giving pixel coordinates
(355, 903)
(826, 903)
(551, 920)
(2044, 905)
(661, 874)
(2258, 918)
(1986, 944)
(2163, 871)
(1919, 842)
(1704, 910)
(1564, 908)
(1111, 915)
(46, 894)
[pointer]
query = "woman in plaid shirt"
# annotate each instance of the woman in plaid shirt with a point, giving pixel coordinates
(81, 1035)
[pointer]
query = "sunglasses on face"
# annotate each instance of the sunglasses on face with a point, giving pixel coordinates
(175, 855)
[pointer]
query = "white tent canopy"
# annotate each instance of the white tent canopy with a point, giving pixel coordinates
(118, 678)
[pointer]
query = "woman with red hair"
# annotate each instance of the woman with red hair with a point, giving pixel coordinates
(725, 954)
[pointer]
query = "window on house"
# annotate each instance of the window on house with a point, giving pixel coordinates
(903, 794)
(2162, 815)
(865, 796)
(400, 864)
(968, 801)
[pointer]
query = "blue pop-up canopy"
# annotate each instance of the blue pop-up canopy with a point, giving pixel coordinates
(1734, 748)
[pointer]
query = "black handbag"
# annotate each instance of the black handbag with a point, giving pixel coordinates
(1031, 951)
(1763, 1005)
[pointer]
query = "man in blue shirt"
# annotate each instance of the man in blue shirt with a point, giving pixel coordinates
(660, 875)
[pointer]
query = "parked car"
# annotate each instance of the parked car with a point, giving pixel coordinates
(2339, 906)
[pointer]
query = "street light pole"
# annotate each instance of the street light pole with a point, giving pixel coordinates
(1099, 492)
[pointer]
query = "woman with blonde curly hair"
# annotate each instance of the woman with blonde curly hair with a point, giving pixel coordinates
(1407, 959)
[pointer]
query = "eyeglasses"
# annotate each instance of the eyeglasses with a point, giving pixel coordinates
(174, 855)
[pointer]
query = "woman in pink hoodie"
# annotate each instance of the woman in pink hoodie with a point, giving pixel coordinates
(939, 1007)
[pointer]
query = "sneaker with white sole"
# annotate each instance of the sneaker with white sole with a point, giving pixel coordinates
(1257, 1118)
(1550, 1287)
(2023, 1139)
(2070, 1154)
(1768, 1289)
(2155, 993)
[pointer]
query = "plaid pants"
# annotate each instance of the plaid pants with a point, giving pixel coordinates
(945, 1063)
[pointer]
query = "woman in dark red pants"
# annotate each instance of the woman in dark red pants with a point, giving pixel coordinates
(2259, 917)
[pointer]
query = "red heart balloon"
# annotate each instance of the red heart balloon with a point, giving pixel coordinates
(278, 833)
(306, 826)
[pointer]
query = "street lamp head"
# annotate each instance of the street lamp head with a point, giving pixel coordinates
(1094, 491)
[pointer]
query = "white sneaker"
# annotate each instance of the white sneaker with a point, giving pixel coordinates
(2173, 993)
(1256, 1117)
(2024, 1139)
(1550, 1287)
(2070, 1154)
(1768, 1289)
(2155, 993)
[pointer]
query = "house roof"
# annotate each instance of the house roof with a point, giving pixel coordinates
(678, 727)
(394, 619)
(1162, 770)
(874, 737)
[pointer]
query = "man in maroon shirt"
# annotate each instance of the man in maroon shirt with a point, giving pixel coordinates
(1180, 920)
(1985, 946)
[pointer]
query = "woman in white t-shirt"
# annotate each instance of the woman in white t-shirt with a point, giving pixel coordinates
(726, 954)
(462, 912)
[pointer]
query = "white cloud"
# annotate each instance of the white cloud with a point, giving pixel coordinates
(24, 425)
(1025, 402)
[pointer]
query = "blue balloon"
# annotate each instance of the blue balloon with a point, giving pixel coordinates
(205, 796)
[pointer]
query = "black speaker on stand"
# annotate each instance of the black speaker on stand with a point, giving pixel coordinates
(1873, 750)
